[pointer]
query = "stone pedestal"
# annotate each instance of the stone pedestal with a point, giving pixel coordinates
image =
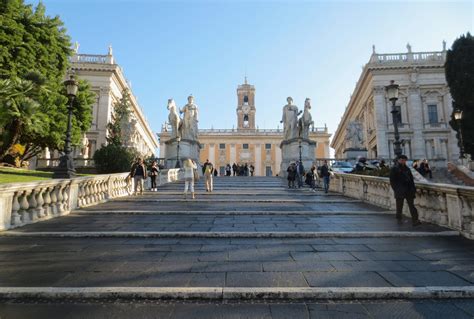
(355, 153)
(290, 152)
(187, 149)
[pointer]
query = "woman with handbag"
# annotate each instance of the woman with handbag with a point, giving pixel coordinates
(190, 168)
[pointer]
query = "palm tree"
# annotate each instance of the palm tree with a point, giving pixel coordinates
(19, 109)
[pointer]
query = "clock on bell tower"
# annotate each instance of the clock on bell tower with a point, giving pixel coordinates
(246, 106)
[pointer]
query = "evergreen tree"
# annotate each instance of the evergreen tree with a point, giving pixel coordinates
(115, 157)
(460, 77)
(122, 111)
(32, 43)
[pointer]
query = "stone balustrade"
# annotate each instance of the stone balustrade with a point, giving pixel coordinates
(170, 175)
(26, 203)
(446, 205)
(411, 57)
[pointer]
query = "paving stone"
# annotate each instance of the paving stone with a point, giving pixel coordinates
(197, 311)
(406, 309)
(466, 275)
(228, 266)
(339, 311)
(265, 279)
(345, 279)
(423, 278)
(296, 266)
(384, 256)
(285, 311)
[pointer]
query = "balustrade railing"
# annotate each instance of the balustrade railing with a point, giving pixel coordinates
(442, 204)
(92, 58)
(26, 203)
(413, 57)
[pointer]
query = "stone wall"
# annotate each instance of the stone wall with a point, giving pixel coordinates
(26, 203)
(442, 204)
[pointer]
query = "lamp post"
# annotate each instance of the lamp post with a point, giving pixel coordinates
(178, 165)
(65, 168)
(457, 114)
(299, 145)
(392, 93)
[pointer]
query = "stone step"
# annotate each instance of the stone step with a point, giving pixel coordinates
(91, 210)
(236, 293)
(256, 224)
(254, 309)
(229, 234)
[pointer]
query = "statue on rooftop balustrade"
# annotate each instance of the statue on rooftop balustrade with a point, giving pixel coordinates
(189, 127)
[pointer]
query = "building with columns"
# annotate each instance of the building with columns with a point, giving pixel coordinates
(247, 143)
(424, 103)
(107, 81)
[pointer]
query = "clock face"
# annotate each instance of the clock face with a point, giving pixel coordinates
(246, 108)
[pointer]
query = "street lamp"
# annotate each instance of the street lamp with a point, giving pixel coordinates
(177, 154)
(457, 113)
(299, 145)
(392, 93)
(65, 168)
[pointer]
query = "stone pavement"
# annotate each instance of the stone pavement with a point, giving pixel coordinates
(251, 233)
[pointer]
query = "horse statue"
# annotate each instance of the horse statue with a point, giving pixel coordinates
(174, 119)
(306, 120)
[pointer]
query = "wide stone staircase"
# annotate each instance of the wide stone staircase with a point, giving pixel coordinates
(250, 249)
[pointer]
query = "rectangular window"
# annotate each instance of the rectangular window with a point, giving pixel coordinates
(202, 145)
(222, 146)
(268, 146)
(433, 113)
(245, 146)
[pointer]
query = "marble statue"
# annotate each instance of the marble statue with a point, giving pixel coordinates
(189, 128)
(174, 119)
(355, 135)
(306, 120)
(290, 120)
(84, 144)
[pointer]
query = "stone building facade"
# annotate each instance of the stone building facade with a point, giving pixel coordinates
(246, 143)
(424, 102)
(107, 81)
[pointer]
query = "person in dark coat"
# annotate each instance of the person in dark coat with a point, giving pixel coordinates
(291, 170)
(138, 173)
(403, 185)
(154, 171)
(234, 169)
(326, 176)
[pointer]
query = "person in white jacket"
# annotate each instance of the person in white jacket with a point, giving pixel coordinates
(189, 167)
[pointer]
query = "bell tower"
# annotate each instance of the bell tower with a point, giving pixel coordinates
(246, 106)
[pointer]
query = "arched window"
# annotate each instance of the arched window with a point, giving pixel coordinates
(246, 99)
(246, 120)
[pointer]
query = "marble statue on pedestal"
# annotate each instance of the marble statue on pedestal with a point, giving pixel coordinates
(174, 119)
(189, 127)
(306, 120)
(290, 120)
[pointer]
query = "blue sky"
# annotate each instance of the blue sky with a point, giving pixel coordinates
(295, 48)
